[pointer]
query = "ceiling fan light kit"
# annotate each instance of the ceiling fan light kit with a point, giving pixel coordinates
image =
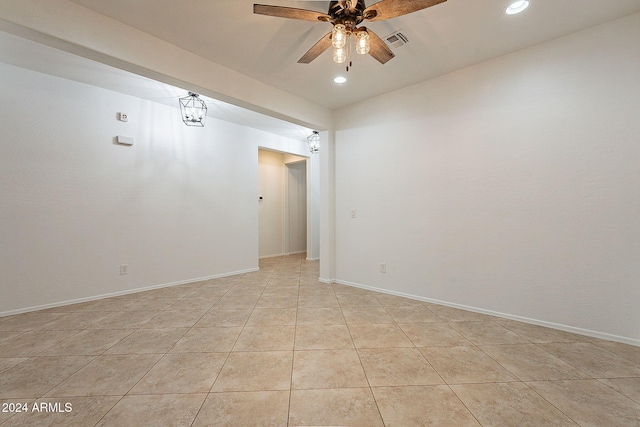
(345, 16)
(339, 55)
(363, 42)
(339, 36)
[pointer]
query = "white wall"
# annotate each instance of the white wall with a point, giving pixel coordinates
(509, 187)
(178, 205)
(327, 191)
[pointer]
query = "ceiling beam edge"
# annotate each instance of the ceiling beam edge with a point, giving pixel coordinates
(67, 26)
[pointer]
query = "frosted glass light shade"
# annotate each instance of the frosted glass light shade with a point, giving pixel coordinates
(339, 55)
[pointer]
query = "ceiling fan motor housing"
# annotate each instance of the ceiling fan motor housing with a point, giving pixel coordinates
(348, 13)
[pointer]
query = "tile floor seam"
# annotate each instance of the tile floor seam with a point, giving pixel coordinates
(551, 403)
(433, 367)
(609, 351)
(475, 417)
(54, 344)
(143, 375)
(637, 400)
(42, 395)
(564, 360)
(295, 333)
(498, 362)
(575, 380)
(365, 374)
(107, 412)
(200, 408)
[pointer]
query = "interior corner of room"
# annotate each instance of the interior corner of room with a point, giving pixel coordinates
(508, 187)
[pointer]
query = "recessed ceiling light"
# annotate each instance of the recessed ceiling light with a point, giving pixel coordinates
(517, 7)
(340, 80)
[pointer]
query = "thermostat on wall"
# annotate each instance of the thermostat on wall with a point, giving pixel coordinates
(124, 140)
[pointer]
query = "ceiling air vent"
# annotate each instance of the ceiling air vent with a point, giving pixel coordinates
(396, 39)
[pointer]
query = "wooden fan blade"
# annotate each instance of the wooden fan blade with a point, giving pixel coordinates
(379, 49)
(290, 12)
(387, 9)
(322, 45)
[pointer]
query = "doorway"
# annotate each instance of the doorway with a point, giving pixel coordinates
(282, 204)
(295, 221)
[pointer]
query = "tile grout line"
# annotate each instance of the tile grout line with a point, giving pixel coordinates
(225, 360)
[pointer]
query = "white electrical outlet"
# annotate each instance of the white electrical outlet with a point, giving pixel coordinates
(124, 269)
(383, 267)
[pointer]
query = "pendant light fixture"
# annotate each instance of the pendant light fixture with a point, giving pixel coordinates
(193, 110)
(314, 142)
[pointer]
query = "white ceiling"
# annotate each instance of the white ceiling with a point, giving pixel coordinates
(443, 38)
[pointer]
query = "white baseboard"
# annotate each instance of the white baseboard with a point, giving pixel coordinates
(329, 281)
(120, 293)
(313, 259)
(296, 252)
(271, 256)
(565, 328)
(283, 254)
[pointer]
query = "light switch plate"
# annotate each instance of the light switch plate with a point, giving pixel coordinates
(124, 140)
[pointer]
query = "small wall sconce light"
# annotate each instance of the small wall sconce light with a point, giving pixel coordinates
(193, 110)
(314, 142)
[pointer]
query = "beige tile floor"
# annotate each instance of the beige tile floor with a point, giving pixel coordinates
(278, 348)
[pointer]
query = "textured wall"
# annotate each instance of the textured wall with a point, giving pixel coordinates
(178, 205)
(509, 187)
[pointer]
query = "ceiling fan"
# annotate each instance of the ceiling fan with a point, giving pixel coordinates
(345, 16)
